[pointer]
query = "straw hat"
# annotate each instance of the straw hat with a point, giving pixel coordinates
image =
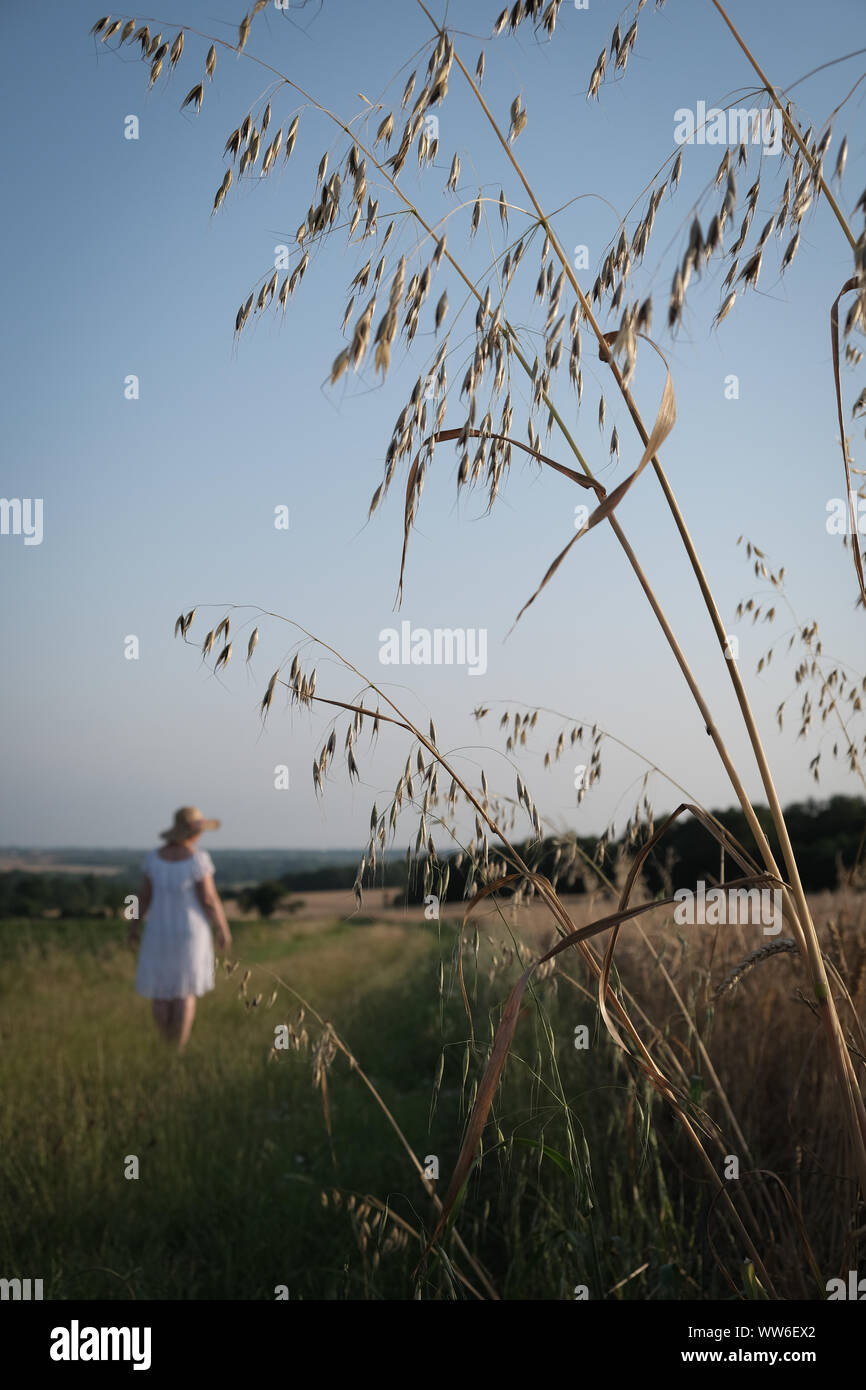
(188, 821)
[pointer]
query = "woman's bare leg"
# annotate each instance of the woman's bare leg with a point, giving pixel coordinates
(162, 1017)
(174, 1019)
(184, 1015)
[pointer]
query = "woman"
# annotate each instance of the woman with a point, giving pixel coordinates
(178, 897)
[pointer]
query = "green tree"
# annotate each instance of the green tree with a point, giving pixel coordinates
(264, 897)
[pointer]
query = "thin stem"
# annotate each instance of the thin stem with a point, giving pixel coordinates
(771, 91)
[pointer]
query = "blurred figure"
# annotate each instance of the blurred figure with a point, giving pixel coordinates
(181, 904)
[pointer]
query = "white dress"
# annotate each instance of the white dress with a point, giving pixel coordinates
(177, 955)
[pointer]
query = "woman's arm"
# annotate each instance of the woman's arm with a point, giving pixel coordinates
(145, 897)
(210, 901)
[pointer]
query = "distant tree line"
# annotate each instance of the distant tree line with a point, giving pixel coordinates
(27, 894)
(829, 840)
(343, 875)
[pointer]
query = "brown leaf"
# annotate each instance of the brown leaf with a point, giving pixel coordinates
(441, 437)
(664, 423)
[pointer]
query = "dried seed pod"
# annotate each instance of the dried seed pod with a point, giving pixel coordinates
(195, 94)
(791, 250)
(223, 189)
(269, 694)
(518, 120)
(224, 657)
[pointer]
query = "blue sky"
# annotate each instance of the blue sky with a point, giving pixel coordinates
(152, 506)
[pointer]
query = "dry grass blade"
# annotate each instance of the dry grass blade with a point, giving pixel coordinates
(338, 1043)
(502, 1044)
(664, 423)
(852, 284)
(442, 437)
(730, 846)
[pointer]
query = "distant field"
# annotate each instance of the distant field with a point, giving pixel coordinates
(232, 865)
(39, 864)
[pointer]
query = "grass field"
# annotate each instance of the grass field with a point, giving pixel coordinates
(232, 1149)
(234, 1153)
